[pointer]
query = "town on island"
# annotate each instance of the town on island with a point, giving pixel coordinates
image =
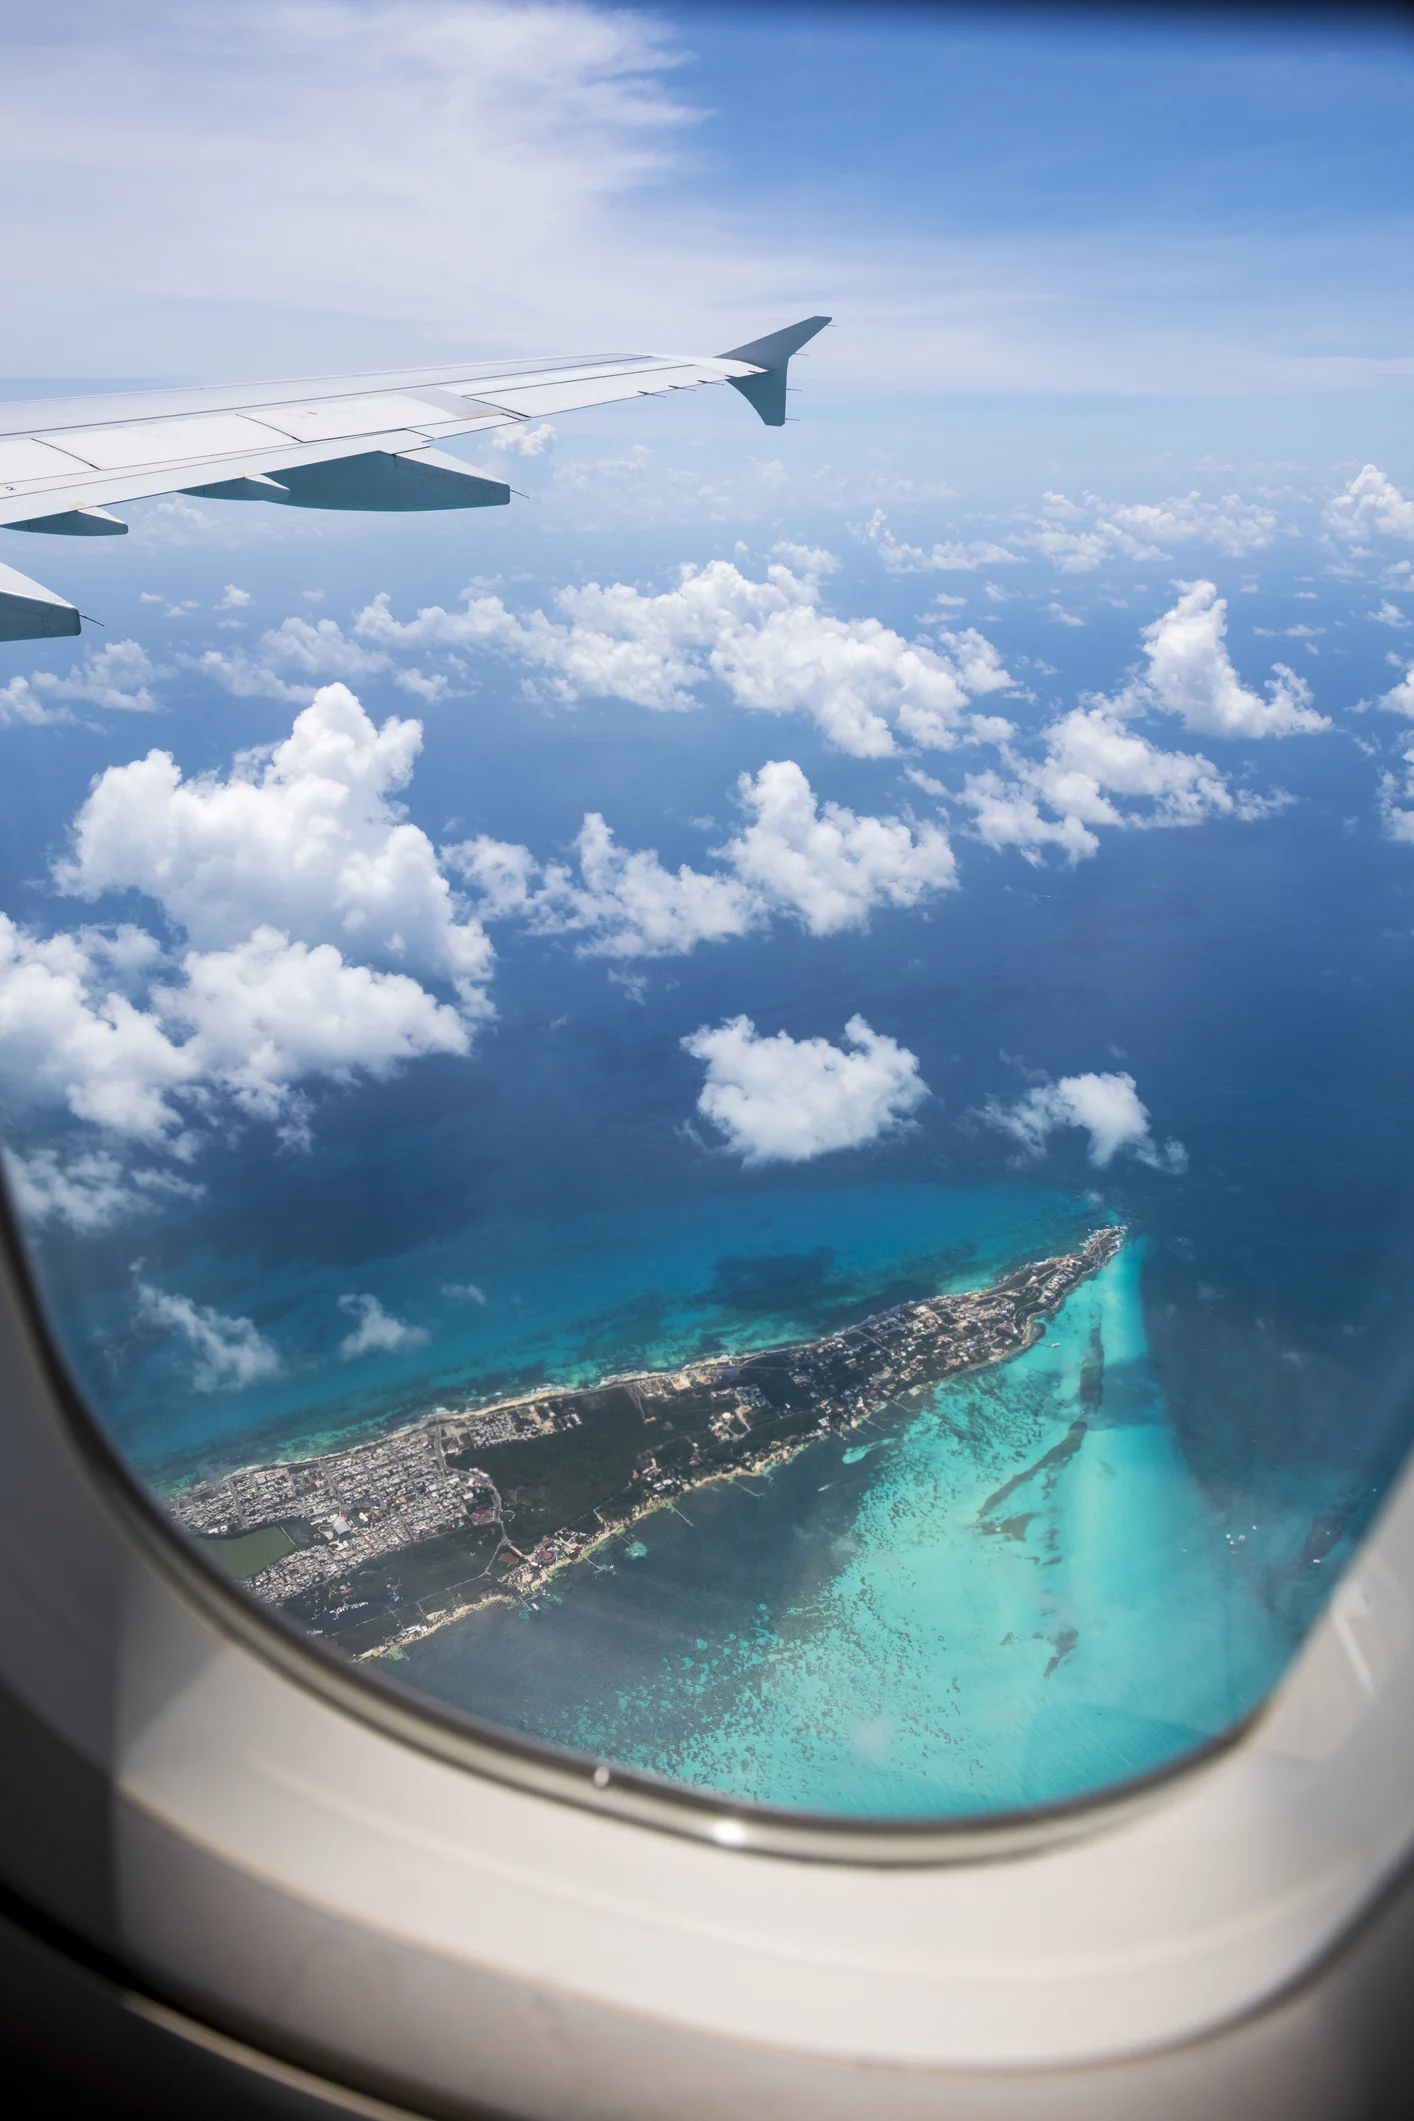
(375, 1545)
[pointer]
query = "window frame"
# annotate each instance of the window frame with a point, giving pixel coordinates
(286, 1838)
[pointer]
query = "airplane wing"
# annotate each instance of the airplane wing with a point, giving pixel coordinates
(347, 442)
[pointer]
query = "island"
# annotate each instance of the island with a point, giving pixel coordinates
(379, 1543)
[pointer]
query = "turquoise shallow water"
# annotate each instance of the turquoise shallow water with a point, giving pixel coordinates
(1004, 1599)
(572, 1297)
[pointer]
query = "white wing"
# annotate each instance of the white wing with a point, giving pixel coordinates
(348, 442)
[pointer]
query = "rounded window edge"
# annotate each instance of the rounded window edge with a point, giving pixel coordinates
(609, 1790)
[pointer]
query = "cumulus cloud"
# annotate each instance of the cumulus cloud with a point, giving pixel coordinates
(87, 1189)
(1396, 801)
(250, 1022)
(819, 864)
(70, 1032)
(1191, 674)
(377, 1331)
(285, 878)
(291, 661)
(228, 1354)
(768, 643)
(785, 1100)
(269, 1012)
(1400, 698)
(119, 675)
(1097, 770)
(20, 703)
(825, 864)
(629, 904)
(1106, 1107)
(1371, 506)
(525, 441)
(948, 557)
(306, 838)
(1077, 537)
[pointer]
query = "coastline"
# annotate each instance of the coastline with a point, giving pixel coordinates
(524, 1594)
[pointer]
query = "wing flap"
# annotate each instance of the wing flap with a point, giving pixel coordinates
(22, 458)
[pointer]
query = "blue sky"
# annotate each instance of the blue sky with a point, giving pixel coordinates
(1011, 203)
(1093, 532)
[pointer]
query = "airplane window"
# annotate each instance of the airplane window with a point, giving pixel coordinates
(748, 1116)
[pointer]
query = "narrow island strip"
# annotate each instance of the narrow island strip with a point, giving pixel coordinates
(377, 1545)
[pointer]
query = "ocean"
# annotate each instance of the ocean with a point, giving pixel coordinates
(955, 1610)
(872, 1632)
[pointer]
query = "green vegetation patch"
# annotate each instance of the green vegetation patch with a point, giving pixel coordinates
(247, 1553)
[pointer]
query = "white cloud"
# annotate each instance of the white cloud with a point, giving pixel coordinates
(250, 1022)
(228, 1353)
(627, 902)
(1396, 801)
(1077, 538)
(1400, 698)
(768, 642)
(268, 1013)
(1098, 770)
(955, 557)
(819, 864)
(1191, 674)
(285, 877)
(488, 128)
(826, 865)
(526, 441)
(20, 703)
(89, 1189)
(1092, 758)
(291, 661)
(377, 1331)
(71, 1034)
(1370, 506)
(1389, 614)
(234, 599)
(305, 838)
(118, 676)
(1106, 1107)
(785, 1100)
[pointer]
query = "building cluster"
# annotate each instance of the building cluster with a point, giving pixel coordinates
(560, 1547)
(360, 1504)
(513, 1421)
